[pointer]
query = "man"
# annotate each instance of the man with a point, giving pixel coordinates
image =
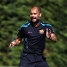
(34, 33)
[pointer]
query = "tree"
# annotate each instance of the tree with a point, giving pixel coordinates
(13, 13)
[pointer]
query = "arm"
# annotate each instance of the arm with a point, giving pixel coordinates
(18, 39)
(50, 35)
(15, 42)
(53, 37)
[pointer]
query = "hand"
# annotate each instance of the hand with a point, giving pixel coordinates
(48, 33)
(12, 44)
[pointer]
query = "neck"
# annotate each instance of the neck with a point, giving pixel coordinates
(36, 24)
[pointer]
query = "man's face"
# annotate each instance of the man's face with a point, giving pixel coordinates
(35, 15)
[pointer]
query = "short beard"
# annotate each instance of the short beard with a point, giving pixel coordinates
(36, 21)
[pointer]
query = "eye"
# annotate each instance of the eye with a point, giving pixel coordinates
(35, 13)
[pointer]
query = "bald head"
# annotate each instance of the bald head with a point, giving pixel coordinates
(35, 14)
(37, 7)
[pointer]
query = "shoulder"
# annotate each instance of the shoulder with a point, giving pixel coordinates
(45, 24)
(25, 25)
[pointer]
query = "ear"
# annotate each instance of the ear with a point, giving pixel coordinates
(40, 14)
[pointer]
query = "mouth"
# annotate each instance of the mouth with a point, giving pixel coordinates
(33, 18)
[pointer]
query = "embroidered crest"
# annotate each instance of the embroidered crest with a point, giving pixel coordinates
(41, 31)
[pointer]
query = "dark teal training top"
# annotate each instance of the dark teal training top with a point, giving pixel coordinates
(34, 37)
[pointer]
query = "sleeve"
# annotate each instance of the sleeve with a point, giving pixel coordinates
(20, 33)
(50, 27)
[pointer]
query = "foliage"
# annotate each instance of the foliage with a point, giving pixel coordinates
(13, 13)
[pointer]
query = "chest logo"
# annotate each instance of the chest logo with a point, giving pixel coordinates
(41, 31)
(29, 32)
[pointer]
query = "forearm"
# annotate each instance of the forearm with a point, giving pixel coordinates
(15, 42)
(53, 37)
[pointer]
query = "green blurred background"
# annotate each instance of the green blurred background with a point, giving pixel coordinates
(13, 13)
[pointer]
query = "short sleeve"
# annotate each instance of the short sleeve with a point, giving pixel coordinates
(50, 27)
(20, 33)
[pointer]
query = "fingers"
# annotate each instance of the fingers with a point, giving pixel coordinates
(48, 30)
(11, 45)
(48, 33)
